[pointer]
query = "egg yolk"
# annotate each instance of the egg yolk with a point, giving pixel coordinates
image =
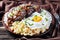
(37, 18)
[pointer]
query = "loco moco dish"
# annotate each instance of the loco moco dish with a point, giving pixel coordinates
(27, 19)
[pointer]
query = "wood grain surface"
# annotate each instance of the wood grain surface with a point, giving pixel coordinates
(4, 35)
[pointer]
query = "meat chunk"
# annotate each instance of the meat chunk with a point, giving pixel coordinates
(29, 10)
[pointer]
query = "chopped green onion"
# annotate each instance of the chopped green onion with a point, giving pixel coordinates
(42, 24)
(45, 27)
(30, 24)
(46, 19)
(35, 15)
(11, 14)
(41, 15)
(28, 18)
(25, 22)
(22, 29)
(44, 13)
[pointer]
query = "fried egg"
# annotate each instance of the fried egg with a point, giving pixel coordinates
(39, 20)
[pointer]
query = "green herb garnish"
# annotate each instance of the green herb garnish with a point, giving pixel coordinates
(11, 14)
(46, 19)
(44, 13)
(30, 24)
(35, 15)
(41, 15)
(22, 29)
(42, 24)
(28, 18)
(25, 22)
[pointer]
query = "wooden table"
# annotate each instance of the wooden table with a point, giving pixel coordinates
(4, 35)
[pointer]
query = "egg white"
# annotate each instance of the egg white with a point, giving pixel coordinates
(44, 23)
